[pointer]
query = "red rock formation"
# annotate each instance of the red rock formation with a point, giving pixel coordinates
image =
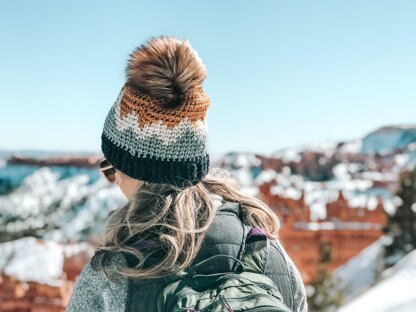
(303, 246)
(348, 230)
(33, 297)
(20, 296)
(78, 161)
(275, 164)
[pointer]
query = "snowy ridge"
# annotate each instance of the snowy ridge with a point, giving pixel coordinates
(388, 139)
(362, 271)
(51, 205)
(394, 293)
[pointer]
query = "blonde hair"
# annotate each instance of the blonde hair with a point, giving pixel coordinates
(179, 219)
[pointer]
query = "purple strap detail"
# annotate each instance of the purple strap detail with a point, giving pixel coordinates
(146, 244)
(254, 231)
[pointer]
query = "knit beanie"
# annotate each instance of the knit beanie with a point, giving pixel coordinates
(156, 130)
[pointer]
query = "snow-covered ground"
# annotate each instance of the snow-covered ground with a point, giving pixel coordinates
(396, 292)
(62, 204)
(362, 271)
(27, 259)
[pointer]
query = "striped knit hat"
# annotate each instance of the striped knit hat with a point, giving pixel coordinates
(156, 130)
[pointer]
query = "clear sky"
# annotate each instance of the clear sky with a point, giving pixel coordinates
(280, 73)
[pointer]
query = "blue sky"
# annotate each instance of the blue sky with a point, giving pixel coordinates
(280, 73)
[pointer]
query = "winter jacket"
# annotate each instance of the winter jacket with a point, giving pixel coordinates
(94, 291)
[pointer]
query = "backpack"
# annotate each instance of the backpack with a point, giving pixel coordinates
(245, 288)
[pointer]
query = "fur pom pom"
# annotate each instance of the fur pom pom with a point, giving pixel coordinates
(165, 68)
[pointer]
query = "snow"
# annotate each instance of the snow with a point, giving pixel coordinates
(76, 204)
(397, 201)
(28, 260)
(341, 171)
(352, 147)
(265, 176)
(246, 160)
(252, 191)
(288, 155)
(402, 159)
(243, 176)
(288, 192)
(411, 164)
(336, 225)
(71, 250)
(317, 196)
(378, 176)
(241, 160)
(372, 203)
(326, 147)
(286, 171)
(357, 185)
(90, 216)
(358, 201)
(294, 154)
(361, 272)
(395, 292)
(242, 167)
(389, 206)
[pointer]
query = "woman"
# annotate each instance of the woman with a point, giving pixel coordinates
(178, 213)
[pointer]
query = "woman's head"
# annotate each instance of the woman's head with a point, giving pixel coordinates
(156, 130)
(155, 137)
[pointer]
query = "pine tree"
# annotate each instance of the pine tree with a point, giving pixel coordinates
(402, 223)
(326, 296)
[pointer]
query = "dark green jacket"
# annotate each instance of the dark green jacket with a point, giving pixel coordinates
(95, 292)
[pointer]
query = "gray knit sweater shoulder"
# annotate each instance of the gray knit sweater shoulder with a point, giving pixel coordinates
(94, 291)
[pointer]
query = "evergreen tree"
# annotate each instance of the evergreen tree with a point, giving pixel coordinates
(325, 294)
(402, 223)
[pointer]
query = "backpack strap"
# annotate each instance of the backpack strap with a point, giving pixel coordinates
(222, 245)
(256, 245)
(256, 250)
